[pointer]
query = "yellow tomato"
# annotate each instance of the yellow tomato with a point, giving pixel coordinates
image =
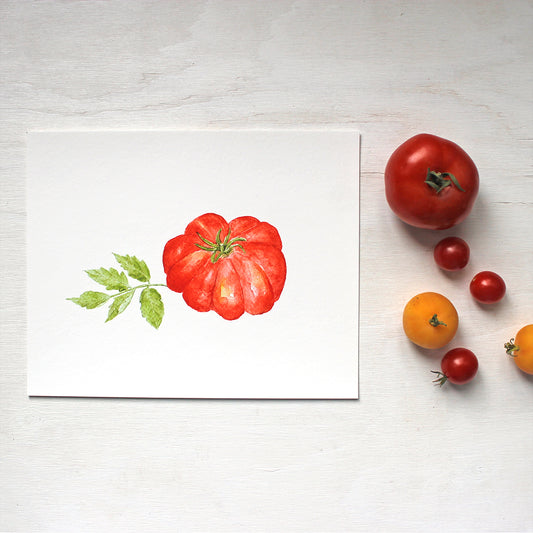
(430, 320)
(521, 348)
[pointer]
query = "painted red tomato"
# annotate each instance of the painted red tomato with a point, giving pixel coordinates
(431, 182)
(230, 268)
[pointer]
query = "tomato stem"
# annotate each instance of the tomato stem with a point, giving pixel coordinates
(440, 180)
(220, 248)
(511, 347)
(441, 378)
(434, 321)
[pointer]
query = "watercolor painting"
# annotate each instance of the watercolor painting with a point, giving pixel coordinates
(213, 263)
(230, 268)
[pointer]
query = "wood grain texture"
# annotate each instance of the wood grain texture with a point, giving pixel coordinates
(407, 456)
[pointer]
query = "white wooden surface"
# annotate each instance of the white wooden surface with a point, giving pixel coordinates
(407, 456)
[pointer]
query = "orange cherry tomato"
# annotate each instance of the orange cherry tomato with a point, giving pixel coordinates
(430, 320)
(521, 349)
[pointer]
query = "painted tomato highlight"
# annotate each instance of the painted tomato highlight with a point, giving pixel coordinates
(230, 268)
(431, 182)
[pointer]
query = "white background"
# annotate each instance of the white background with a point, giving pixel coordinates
(407, 456)
(92, 193)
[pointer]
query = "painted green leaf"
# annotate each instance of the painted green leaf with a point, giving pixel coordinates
(111, 279)
(119, 304)
(90, 299)
(152, 307)
(136, 268)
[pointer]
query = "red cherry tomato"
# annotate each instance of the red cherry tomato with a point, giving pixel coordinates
(452, 253)
(487, 287)
(458, 366)
(431, 182)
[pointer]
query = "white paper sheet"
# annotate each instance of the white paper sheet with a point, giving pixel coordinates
(92, 194)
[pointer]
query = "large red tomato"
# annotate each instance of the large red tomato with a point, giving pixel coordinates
(226, 267)
(431, 182)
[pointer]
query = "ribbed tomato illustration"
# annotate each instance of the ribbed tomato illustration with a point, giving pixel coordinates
(230, 268)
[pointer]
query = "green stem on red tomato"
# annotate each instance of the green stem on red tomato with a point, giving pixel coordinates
(220, 248)
(434, 321)
(440, 180)
(441, 378)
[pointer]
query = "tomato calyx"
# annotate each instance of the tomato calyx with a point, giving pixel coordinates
(434, 321)
(440, 180)
(511, 347)
(220, 248)
(441, 378)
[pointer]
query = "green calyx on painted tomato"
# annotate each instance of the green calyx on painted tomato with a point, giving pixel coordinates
(220, 248)
(231, 268)
(431, 182)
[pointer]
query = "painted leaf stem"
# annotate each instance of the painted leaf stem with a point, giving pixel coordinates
(151, 304)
